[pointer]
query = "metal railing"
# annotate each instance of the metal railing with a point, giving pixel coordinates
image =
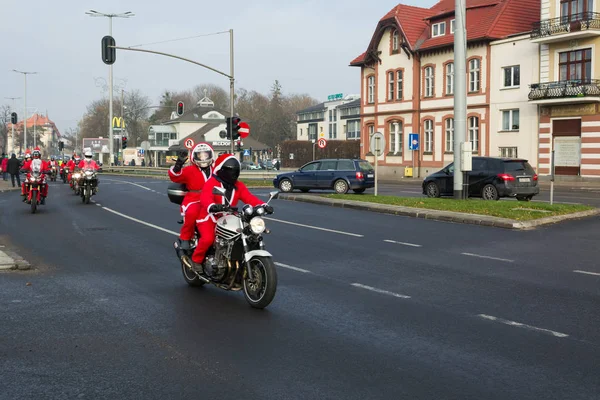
(565, 89)
(568, 23)
(160, 172)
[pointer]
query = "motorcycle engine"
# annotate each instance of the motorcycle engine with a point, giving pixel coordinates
(215, 265)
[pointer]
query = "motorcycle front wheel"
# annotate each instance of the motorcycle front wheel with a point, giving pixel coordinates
(33, 202)
(260, 290)
(88, 193)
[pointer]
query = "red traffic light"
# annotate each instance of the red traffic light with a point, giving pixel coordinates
(180, 108)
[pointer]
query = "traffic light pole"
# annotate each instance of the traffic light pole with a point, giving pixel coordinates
(230, 76)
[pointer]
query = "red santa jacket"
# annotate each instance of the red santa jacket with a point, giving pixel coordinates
(52, 163)
(207, 199)
(88, 164)
(27, 166)
(194, 179)
(71, 165)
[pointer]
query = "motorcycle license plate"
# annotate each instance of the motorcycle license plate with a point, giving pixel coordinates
(370, 175)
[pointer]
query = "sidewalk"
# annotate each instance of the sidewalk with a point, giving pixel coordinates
(6, 186)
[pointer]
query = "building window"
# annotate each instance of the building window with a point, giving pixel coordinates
(438, 29)
(395, 41)
(353, 129)
(572, 10)
(474, 133)
(512, 76)
(429, 81)
(508, 152)
(312, 131)
(450, 78)
(428, 133)
(300, 132)
(450, 135)
(576, 65)
(474, 75)
(371, 89)
(395, 130)
(370, 130)
(400, 75)
(452, 26)
(391, 88)
(332, 124)
(510, 120)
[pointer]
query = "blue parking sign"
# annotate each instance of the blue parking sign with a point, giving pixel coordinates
(413, 141)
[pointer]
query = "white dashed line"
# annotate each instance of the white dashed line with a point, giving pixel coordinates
(487, 257)
(403, 243)
(372, 289)
(304, 271)
(140, 221)
(314, 227)
(131, 183)
(525, 326)
(586, 272)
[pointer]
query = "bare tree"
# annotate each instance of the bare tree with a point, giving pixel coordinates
(5, 111)
(217, 94)
(136, 116)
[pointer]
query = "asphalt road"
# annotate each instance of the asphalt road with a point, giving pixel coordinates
(369, 306)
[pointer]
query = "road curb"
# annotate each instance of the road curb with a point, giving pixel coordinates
(10, 189)
(12, 261)
(446, 216)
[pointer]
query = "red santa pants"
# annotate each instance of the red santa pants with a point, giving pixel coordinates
(190, 214)
(207, 238)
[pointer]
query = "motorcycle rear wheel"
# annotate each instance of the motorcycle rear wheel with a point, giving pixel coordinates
(190, 276)
(260, 291)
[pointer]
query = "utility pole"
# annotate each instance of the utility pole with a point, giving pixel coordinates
(231, 83)
(13, 125)
(25, 107)
(460, 93)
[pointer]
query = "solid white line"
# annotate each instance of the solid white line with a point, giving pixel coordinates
(314, 227)
(359, 285)
(305, 271)
(403, 243)
(140, 221)
(520, 325)
(586, 272)
(487, 257)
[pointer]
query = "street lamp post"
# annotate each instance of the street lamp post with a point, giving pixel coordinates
(127, 14)
(25, 115)
(13, 125)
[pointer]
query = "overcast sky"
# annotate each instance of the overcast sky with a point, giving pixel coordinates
(305, 44)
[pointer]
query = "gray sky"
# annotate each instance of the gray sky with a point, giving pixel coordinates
(305, 44)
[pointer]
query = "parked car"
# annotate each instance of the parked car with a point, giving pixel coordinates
(490, 179)
(340, 175)
(249, 165)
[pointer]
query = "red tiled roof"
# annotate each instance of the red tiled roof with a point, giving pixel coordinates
(485, 19)
(39, 121)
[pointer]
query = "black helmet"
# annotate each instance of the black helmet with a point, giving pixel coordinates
(229, 171)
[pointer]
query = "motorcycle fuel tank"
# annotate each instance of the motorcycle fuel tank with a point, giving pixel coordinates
(229, 226)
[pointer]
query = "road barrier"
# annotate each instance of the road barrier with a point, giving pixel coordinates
(161, 173)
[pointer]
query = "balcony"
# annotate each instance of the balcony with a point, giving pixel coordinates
(565, 92)
(576, 26)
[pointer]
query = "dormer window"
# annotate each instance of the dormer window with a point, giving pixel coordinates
(452, 26)
(438, 29)
(395, 44)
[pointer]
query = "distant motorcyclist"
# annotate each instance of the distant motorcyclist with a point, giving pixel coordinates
(88, 162)
(43, 168)
(194, 177)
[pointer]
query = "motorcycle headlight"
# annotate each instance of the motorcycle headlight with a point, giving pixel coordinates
(257, 225)
(260, 210)
(88, 173)
(248, 209)
(76, 176)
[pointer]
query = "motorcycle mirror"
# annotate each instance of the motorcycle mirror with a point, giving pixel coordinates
(274, 195)
(219, 191)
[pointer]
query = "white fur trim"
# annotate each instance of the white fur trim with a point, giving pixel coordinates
(175, 173)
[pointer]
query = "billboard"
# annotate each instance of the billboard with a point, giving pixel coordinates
(97, 145)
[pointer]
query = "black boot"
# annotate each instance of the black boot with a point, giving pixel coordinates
(43, 201)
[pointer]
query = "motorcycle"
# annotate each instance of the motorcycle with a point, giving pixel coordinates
(63, 174)
(89, 184)
(75, 182)
(34, 182)
(53, 174)
(238, 259)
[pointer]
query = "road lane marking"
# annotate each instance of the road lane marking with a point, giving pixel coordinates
(140, 221)
(130, 183)
(372, 289)
(304, 271)
(586, 272)
(403, 243)
(314, 227)
(487, 257)
(525, 326)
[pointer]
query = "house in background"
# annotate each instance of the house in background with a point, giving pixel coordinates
(336, 119)
(43, 128)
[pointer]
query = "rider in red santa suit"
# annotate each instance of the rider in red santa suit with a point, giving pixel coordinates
(73, 162)
(225, 175)
(88, 162)
(37, 155)
(194, 177)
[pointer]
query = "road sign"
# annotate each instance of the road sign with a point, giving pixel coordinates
(189, 144)
(322, 143)
(377, 144)
(247, 152)
(244, 130)
(413, 141)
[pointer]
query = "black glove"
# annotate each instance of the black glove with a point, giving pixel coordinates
(215, 208)
(268, 209)
(179, 162)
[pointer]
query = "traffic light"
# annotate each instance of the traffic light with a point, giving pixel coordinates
(239, 145)
(13, 118)
(124, 142)
(235, 127)
(61, 146)
(180, 108)
(109, 54)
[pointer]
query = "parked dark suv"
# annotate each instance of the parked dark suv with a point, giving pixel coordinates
(339, 175)
(490, 179)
